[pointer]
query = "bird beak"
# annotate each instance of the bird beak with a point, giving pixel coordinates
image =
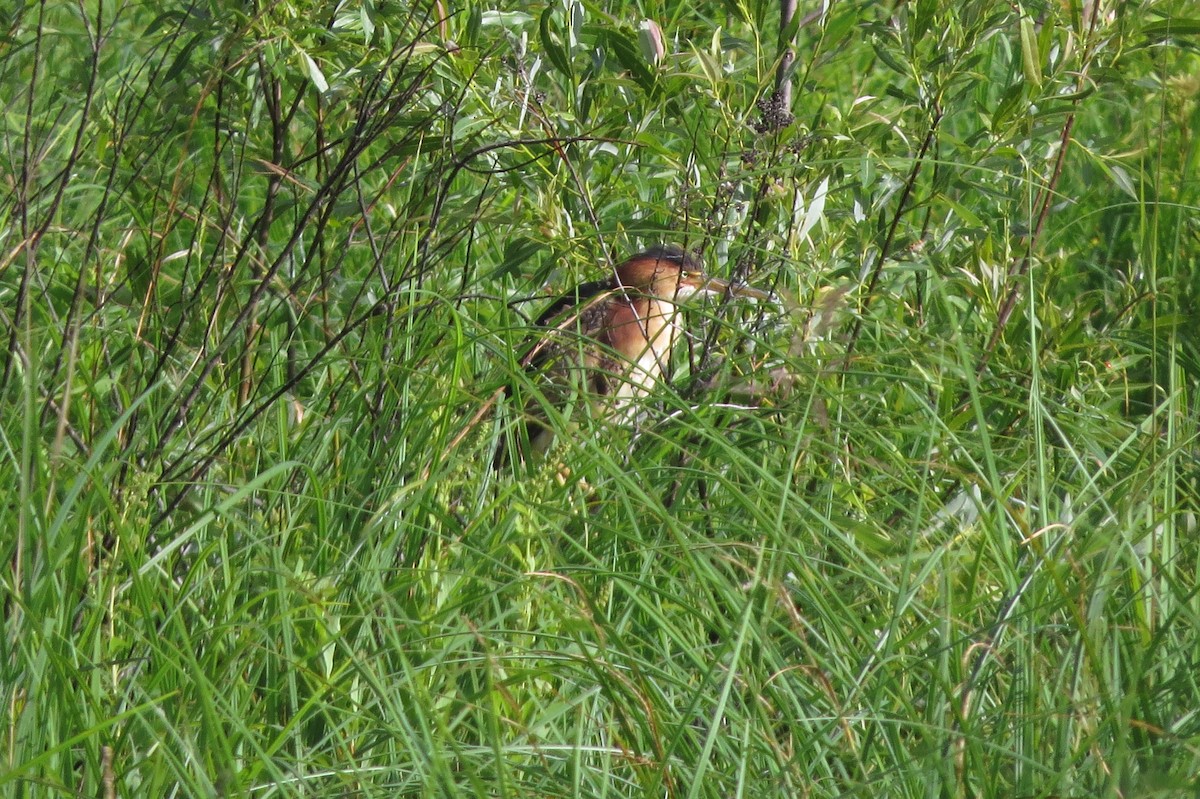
(703, 284)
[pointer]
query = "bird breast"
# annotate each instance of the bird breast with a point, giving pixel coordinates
(642, 331)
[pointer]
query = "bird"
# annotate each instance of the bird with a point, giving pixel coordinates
(606, 344)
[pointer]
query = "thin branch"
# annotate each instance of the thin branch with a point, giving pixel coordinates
(787, 57)
(1019, 269)
(886, 247)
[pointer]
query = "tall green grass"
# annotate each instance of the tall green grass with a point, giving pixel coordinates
(925, 528)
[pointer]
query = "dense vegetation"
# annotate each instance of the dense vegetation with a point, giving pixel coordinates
(926, 528)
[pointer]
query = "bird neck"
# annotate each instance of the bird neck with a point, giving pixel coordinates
(643, 328)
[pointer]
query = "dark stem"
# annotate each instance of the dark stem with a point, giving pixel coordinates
(1019, 269)
(885, 248)
(787, 57)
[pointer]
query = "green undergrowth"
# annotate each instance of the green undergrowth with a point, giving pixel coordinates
(925, 526)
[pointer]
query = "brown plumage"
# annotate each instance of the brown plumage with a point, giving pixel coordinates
(609, 342)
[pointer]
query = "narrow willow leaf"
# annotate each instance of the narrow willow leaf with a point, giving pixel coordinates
(1030, 60)
(1169, 28)
(816, 210)
(650, 37)
(314, 72)
(554, 51)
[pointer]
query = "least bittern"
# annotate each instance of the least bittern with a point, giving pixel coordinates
(608, 343)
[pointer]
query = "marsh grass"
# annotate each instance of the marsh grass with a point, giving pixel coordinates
(927, 528)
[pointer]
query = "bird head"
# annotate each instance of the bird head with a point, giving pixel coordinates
(668, 273)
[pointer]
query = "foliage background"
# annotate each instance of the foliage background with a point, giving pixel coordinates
(927, 528)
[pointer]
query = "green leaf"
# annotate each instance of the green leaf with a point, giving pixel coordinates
(1122, 180)
(964, 213)
(840, 24)
(815, 211)
(1030, 54)
(1007, 107)
(554, 51)
(788, 35)
(314, 73)
(890, 60)
(366, 13)
(182, 60)
(629, 55)
(505, 19)
(517, 252)
(1169, 28)
(650, 38)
